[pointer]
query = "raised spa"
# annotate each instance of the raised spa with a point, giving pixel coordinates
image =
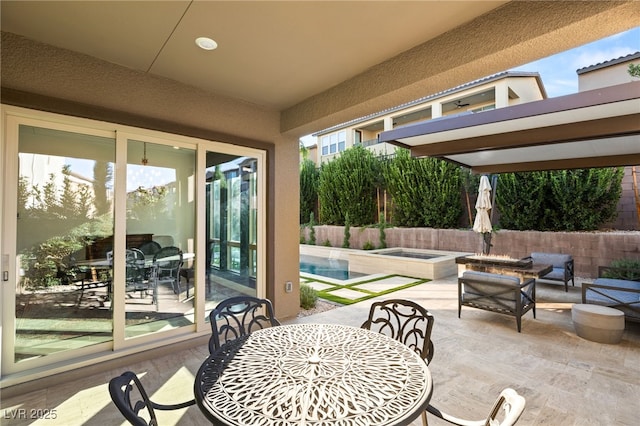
(419, 263)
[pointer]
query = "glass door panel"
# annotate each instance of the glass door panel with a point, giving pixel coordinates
(160, 230)
(232, 223)
(64, 226)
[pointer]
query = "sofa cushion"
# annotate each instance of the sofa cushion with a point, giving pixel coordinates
(622, 295)
(556, 259)
(488, 277)
(555, 274)
(625, 296)
(488, 283)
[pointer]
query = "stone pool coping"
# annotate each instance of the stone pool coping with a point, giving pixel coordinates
(374, 261)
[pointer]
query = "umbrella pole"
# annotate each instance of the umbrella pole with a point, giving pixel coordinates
(486, 243)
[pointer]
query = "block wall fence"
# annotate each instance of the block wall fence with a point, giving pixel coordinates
(589, 249)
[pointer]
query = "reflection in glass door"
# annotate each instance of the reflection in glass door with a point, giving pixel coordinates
(64, 215)
(160, 230)
(231, 226)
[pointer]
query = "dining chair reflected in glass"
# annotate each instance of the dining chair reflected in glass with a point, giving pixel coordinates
(167, 262)
(137, 279)
(150, 248)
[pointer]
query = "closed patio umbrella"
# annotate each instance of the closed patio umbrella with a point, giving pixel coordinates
(482, 222)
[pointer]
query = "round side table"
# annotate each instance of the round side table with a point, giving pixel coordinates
(598, 323)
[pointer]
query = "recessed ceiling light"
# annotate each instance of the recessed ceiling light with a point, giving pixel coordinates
(206, 43)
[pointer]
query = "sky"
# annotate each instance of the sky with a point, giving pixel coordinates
(558, 72)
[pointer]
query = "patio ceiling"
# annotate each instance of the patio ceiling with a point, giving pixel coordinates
(316, 63)
(596, 128)
(270, 53)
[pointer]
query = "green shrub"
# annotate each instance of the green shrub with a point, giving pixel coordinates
(383, 236)
(368, 246)
(309, 176)
(624, 269)
(347, 232)
(312, 229)
(562, 200)
(308, 296)
(347, 185)
(327, 243)
(425, 191)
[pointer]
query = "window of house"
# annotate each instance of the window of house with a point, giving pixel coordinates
(325, 145)
(333, 144)
(342, 140)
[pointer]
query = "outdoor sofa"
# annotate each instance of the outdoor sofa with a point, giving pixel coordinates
(562, 267)
(622, 294)
(499, 293)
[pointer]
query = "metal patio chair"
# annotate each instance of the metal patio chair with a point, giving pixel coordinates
(405, 321)
(506, 411)
(126, 387)
(239, 316)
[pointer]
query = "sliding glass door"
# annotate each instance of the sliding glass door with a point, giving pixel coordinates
(117, 238)
(160, 237)
(64, 204)
(232, 187)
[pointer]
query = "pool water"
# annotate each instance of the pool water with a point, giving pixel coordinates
(330, 268)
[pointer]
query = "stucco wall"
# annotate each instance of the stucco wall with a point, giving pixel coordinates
(589, 249)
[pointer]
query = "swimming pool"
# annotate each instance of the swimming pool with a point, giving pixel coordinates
(410, 262)
(330, 268)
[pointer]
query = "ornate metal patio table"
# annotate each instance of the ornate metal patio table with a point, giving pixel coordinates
(312, 375)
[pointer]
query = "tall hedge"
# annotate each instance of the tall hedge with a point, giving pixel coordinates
(425, 191)
(309, 177)
(347, 186)
(563, 200)
(520, 199)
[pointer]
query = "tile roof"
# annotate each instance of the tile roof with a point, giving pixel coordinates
(424, 99)
(609, 63)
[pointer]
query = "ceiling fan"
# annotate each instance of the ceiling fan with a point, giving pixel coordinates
(459, 104)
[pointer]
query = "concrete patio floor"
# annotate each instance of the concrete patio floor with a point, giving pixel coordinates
(565, 379)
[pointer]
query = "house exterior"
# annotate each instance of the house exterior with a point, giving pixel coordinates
(496, 91)
(607, 73)
(211, 173)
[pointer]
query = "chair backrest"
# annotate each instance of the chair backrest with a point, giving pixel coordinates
(123, 389)
(487, 284)
(507, 409)
(134, 261)
(150, 248)
(239, 316)
(168, 258)
(163, 240)
(405, 321)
